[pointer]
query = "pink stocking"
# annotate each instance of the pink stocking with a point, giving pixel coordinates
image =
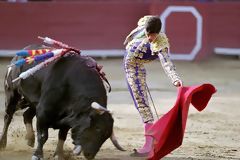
(148, 141)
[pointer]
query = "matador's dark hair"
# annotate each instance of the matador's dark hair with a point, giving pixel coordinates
(153, 25)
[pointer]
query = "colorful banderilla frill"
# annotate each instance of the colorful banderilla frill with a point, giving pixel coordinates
(38, 58)
(31, 71)
(32, 52)
(44, 56)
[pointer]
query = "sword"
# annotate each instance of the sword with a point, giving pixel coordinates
(152, 100)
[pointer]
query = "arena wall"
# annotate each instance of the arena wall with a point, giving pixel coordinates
(88, 25)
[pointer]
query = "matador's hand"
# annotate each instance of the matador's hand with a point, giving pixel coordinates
(178, 83)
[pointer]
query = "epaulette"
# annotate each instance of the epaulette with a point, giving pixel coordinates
(160, 43)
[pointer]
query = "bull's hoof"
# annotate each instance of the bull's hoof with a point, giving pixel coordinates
(31, 142)
(3, 143)
(58, 157)
(36, 158)
(2, 147)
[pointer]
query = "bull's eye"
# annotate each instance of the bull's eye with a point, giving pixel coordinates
(98, 129)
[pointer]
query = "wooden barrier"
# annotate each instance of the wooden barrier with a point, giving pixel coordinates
(86, 25)
(194, 29)
(219, 27)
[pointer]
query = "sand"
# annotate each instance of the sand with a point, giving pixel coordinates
(212, 134)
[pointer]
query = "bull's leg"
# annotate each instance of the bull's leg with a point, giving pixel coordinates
(28, 116)
(42, 136)
(62, 135)
(12, 99)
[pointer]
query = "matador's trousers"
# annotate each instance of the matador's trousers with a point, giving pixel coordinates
(136, 80)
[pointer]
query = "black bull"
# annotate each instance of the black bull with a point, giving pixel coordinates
(62, 96)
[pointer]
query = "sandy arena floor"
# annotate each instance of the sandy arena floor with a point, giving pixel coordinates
(212, 134)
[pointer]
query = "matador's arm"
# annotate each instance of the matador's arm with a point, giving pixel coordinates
(161, 47)
(168, 65)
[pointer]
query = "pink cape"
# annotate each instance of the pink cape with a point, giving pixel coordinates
(168, 131)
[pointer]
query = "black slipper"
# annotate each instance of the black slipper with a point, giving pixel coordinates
(137, 154)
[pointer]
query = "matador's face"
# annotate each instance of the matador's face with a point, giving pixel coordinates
(151, 36)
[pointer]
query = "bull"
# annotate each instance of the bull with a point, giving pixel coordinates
(67, 94)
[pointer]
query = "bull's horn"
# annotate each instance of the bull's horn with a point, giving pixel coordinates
(77, 149)
(115, 142)
(99, 108)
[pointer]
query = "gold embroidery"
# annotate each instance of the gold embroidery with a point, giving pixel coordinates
(136, 47)
(161, 42)
(168, 66)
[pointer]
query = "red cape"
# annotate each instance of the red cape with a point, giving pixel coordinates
(168, 131)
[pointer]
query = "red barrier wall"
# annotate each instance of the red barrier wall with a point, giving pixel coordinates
(220, 26)
(104, 25)
(87, 25)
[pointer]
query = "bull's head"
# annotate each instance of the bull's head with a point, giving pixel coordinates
(93, 131)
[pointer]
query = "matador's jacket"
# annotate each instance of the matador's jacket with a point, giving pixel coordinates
(138, 52)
